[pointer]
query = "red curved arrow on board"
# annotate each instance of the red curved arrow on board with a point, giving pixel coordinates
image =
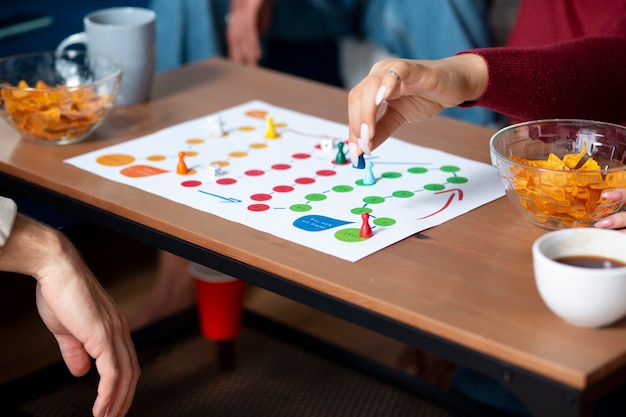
(445, 206)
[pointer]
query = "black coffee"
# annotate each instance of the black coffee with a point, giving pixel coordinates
(591, 262)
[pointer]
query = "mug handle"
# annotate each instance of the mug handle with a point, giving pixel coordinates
(71, 40)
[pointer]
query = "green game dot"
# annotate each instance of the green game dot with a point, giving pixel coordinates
(391, 175)
(299, 208)
(450, 168)
(360, 210)
(457, 180)
(384, 221)
(315, 197)
(349, 235)
(434, 187)
(417, 170)
(403, 194)
(374, 199)
(342, 188)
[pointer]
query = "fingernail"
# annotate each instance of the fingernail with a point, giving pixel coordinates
(612, 195)
(381, 94)
(354, 153)
(604, 223)
(364, 140)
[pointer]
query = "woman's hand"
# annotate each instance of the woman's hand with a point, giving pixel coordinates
(400, 91)
(616, 220)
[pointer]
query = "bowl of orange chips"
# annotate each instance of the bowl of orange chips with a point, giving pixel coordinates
(554, 171)
(57, 99)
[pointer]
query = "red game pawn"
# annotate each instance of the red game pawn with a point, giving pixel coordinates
(181, 168)
(366, 230)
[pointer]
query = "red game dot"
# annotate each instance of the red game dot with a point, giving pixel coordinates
(305, 180)
(226, 181)
(258, 207)
(283, 188)
(281, 167)
(191, 183)
(326, 172)
(260, 197)
(254, 172)
(301, 156)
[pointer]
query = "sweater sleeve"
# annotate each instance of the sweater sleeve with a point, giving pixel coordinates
(8, 211)
(582, 78)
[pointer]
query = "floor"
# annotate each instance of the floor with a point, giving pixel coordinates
(26, 345)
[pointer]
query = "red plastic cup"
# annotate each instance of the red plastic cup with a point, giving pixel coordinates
(220, 302)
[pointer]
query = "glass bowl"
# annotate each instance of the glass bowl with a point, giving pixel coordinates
(57, 99)
(553, 197)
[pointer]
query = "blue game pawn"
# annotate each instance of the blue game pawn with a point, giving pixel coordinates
(369, 178)
(360, 163)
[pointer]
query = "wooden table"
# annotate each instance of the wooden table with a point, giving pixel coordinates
(464, 289)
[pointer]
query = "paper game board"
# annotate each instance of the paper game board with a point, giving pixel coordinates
(284, 178)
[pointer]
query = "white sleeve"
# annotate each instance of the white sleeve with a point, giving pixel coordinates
(8, 211)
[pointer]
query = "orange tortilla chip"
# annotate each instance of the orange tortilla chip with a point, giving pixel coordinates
(564, 192)
(53, 113)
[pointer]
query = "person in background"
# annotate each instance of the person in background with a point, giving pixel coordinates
(82, 317)
(303, 38)
(572, 69)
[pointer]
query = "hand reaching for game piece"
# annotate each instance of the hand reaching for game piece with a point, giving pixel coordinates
(400, 91)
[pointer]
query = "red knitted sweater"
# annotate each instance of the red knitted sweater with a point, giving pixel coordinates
(564, 59)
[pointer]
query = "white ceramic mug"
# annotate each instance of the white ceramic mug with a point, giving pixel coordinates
(584, 297)
(127, 34)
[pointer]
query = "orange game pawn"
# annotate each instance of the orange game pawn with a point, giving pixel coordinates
(366, 230)
(181, 168)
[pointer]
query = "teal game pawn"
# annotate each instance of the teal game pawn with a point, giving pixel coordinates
(369, 178)
(341, 156)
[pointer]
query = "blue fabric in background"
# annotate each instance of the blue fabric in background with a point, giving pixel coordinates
(68, 19)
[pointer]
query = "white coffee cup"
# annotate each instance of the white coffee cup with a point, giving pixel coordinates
(582, 296)
(128, 34)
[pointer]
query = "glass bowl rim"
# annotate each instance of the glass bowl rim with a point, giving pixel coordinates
(506, 159)
(116, 72)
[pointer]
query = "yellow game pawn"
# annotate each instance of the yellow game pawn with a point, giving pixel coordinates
(270, 133)
(181, 168)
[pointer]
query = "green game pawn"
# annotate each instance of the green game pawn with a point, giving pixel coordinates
(341, 156)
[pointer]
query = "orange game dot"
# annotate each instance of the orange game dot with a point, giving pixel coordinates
(139, 171)
(258, 145)
(195, 141)
(156, 158)
(257, 114)
(238, 154)
(115, 160)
